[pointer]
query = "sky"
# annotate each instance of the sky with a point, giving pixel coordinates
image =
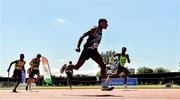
(150, 29)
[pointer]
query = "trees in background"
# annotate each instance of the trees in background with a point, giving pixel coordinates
(161, 70)
(107, 56)
(148, 70)
(144, 70)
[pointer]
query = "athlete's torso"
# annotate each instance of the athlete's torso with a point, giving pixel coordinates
(69, 71)
(19, 65)
(93, 40)
(122, 59)
(36, 63)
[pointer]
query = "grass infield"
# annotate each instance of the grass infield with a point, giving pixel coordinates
(97, 87)
(117, 87)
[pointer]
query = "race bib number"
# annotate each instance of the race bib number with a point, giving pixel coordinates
(94, 45)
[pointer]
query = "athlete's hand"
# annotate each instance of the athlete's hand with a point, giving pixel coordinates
(78, 49)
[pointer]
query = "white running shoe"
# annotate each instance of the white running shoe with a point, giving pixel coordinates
(107, 88)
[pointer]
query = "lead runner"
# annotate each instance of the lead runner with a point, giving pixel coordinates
(91, 51)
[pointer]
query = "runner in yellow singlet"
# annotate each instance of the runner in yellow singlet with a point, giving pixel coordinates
(19, 67)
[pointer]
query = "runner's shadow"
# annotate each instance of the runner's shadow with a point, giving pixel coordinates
(34, 91)
(103, 95)
(98, 95)
(17, 92)
(129, 90)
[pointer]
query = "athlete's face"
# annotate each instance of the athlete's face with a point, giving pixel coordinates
(38, 58)
(21, 57)
(104, 25)
(123, 50)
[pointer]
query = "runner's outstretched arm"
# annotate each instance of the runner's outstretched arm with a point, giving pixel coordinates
(82, 37)
(128, 59)
(116, 54)
(11, 65)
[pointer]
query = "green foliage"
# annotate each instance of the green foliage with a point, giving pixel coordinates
(131, 71)
(82, 75)
(144, 70)
(107, 56)
(161, 70)
(147, 70)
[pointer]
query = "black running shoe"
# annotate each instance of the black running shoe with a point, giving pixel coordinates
(14, 91)
(26, 88)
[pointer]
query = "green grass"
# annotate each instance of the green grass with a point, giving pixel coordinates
(117, 87)
(98, 87)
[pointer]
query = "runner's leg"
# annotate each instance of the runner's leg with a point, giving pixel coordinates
(38, 77)
(115, 74)
(17, 79)
(18, 82)
(79, 64)
(99, 61)
(29, 83)
(126, 75)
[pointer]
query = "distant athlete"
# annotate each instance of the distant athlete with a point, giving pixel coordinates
(123, 57)
(115, 63)
(34, 70)
(109, 72)
(69, 73)
(90, 51)
(19, 67)
(29, 73)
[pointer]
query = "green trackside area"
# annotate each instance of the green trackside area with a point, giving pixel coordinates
(95, 87)
(117, 87)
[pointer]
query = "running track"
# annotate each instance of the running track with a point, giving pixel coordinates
(91, 94)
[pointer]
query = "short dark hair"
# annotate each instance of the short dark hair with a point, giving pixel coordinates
(21, 55)
(123, 48)
(38, 55)
(102, 20)
(70, 62)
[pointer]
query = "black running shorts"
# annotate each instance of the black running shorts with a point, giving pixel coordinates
(89, 53)
(17, 74)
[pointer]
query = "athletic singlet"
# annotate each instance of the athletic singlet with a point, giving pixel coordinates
(122, 60)
(19, 65)
(69, 71)
(93, 40)
(36, 63)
